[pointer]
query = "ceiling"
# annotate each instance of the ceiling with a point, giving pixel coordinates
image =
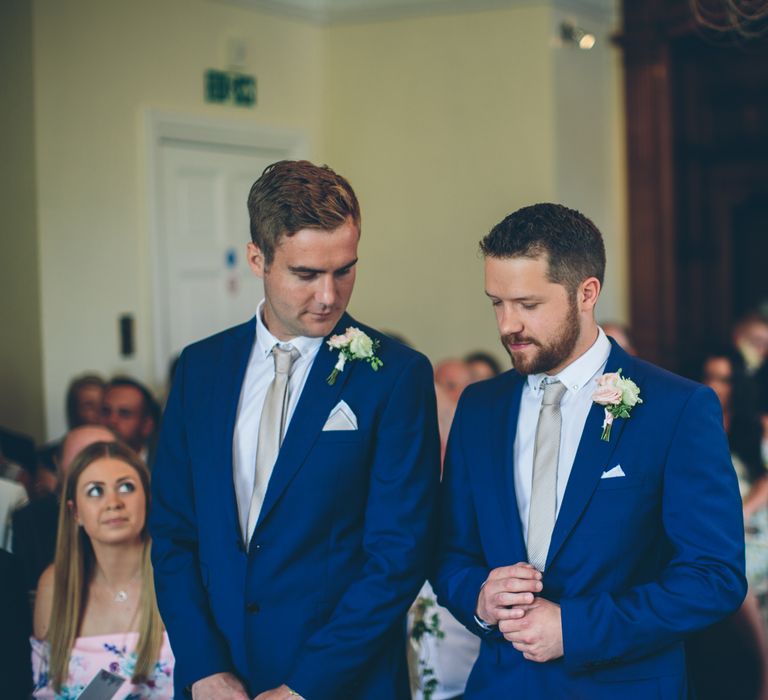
(345, 11)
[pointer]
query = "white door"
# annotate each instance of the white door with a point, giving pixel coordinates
(203, 277)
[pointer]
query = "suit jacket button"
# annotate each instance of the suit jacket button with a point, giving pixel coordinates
(252, 608)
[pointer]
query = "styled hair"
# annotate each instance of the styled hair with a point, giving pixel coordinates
(292, 195)
(74, 567)
(73, 391)
(571, 243)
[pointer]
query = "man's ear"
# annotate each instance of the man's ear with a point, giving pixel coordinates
(255, 259)
(587, 293)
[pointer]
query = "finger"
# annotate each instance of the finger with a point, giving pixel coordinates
(508, 599)
(510, 613)
(519, 570)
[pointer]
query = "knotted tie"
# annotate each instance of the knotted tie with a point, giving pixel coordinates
(541, 515)
(271, 431)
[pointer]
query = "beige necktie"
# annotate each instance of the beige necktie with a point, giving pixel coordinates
(271, 431)
(541, 515)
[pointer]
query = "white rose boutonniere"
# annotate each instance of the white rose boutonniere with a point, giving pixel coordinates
(618, 395)
(353, 345)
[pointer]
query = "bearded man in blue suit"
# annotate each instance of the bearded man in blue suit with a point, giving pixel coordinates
(590, 515)
(296, 474)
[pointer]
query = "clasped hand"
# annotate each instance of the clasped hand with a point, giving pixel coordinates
(533, 625)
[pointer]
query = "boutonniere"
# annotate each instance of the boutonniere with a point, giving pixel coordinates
(353, 345)
(618, 395)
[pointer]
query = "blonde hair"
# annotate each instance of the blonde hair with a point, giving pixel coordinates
(74, 566)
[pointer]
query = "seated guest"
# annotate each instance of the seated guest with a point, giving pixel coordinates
(12, 496)
(34, 525)
(130, 410)
(482, 365)
(84, 397)
(730, 659)
(15, 669)
(83, 407)
(96, 607)
(452, 376)
(620, 333)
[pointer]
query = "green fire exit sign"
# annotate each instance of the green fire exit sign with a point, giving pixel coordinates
(227, 86)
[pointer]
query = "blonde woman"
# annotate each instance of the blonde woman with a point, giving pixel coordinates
(96, 607)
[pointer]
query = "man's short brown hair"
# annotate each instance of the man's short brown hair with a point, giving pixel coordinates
(295, 194)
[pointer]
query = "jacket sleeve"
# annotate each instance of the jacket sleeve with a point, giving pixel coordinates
(703, 580)
(397, 541)
(461, 565)
(200, 649)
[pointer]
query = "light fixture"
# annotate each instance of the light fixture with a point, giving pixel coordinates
(571, 35)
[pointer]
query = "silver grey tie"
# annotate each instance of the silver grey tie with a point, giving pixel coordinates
(271, 431)
(541, 515)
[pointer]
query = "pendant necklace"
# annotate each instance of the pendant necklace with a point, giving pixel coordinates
(121, 595)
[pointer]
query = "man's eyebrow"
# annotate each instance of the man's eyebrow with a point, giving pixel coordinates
(301, 269)
(530, 297)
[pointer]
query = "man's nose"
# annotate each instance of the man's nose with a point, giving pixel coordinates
(326, 294)
(509, 322)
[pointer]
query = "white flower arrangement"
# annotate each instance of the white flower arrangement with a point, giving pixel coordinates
(618, 395)
(353, 345)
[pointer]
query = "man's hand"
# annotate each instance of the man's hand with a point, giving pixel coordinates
(219, 686)
(281, 693)
(539, 634)
(506, 587)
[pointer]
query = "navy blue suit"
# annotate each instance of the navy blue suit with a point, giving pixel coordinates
(635, 562)
(341, 546)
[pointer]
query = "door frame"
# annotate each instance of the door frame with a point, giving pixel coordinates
(163, 127)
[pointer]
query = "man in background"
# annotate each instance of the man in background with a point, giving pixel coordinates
(131, 411)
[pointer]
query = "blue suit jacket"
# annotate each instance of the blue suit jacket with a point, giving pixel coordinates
(635, 562)
(340, 548)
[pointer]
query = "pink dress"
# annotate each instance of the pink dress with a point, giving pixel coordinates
(111, 652)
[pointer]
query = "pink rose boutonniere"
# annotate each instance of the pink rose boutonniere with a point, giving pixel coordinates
(353, 345)
(618, 395)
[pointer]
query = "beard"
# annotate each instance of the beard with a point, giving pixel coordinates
(551, 354)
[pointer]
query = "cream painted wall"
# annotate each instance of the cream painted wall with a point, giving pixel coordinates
(589, 148)
(21, 380)
(444, 125)
(98, 67)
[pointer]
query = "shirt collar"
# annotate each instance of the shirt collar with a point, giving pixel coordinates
(581, 370)
(265, 341)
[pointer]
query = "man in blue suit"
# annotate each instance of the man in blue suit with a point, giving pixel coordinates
(585, 529)
(295, 478)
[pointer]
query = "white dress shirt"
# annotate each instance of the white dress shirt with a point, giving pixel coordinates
(580, 379)
(258, 377)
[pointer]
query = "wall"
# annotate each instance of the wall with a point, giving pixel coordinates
(98, 67)
(589, 146)
(444, 125)
(21, 379)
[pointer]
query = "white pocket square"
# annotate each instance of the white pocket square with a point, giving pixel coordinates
(613, 473)
(342, 417)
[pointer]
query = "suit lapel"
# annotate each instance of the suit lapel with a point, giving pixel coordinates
(234, 363)
(591, 459)
(312, 410)
(503, 457)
